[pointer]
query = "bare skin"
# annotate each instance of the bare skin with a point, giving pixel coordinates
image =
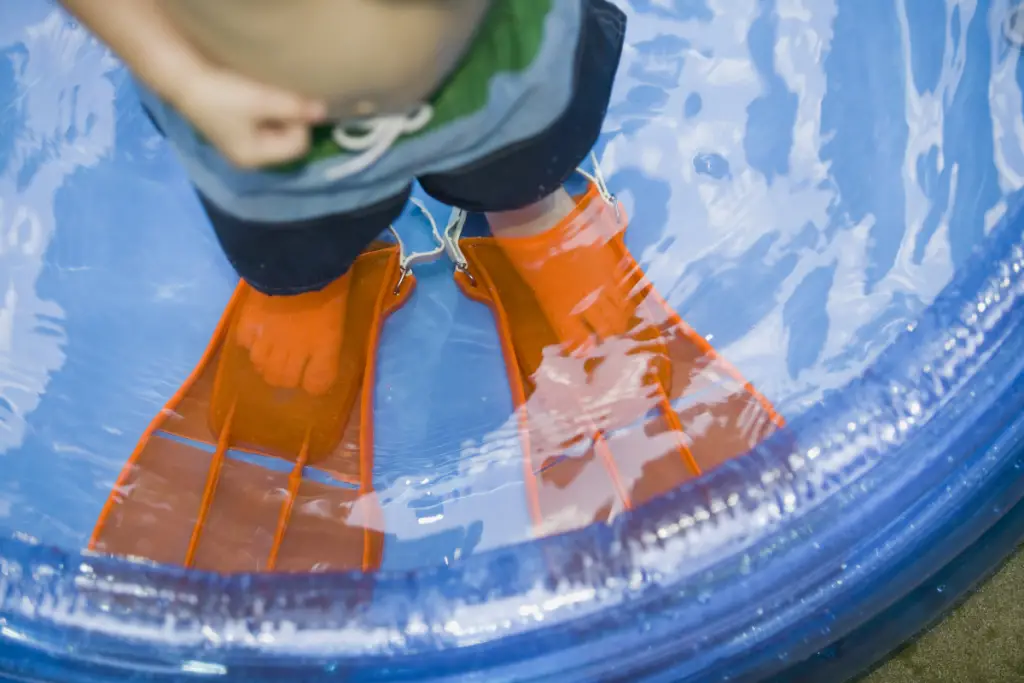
(584, 307)
(253, 75)
(342, 52)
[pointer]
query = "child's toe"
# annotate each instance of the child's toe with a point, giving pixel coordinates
(321, 371)
(247, 331)
(260, 353)
(284, 367)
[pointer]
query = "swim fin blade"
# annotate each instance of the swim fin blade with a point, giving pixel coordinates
(236, 475)
(606, 428)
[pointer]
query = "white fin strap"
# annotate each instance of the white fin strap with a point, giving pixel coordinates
(407, 260)
(597, 178)
(452, 236)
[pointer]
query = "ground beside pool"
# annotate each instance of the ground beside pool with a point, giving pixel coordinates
(982, 641)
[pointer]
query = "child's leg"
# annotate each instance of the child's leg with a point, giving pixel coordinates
(534, 219)
(521, 190)
(292, 323)
(563, 254)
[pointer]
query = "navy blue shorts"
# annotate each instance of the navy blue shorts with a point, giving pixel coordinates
(303, 256)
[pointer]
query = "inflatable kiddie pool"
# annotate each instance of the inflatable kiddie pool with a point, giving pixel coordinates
(828, 191)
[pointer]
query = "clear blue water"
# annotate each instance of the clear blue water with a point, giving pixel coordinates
(802, 177)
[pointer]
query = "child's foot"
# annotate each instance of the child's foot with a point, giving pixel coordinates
(564, 253)
(295, 341)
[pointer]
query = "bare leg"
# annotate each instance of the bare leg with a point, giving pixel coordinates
(571, 265)
(533, 219)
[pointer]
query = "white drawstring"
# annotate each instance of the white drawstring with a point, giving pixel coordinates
(375, 138)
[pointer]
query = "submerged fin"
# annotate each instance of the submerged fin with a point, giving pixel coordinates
(612, 423)
(236, 475)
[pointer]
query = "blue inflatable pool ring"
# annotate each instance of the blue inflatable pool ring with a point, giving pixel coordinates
(829, 191)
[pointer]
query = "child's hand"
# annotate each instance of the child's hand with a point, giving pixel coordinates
(252, 124)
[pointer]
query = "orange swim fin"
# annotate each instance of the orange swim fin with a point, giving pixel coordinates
(198, 490)
(615, 421)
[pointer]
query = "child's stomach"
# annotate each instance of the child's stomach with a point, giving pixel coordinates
(364, 57)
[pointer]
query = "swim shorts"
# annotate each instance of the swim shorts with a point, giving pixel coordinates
(550, 66)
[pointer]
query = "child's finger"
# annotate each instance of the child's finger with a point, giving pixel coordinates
(282, 143)
(272, 103)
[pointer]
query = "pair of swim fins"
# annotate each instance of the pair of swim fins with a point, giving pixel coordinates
(236, 475)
